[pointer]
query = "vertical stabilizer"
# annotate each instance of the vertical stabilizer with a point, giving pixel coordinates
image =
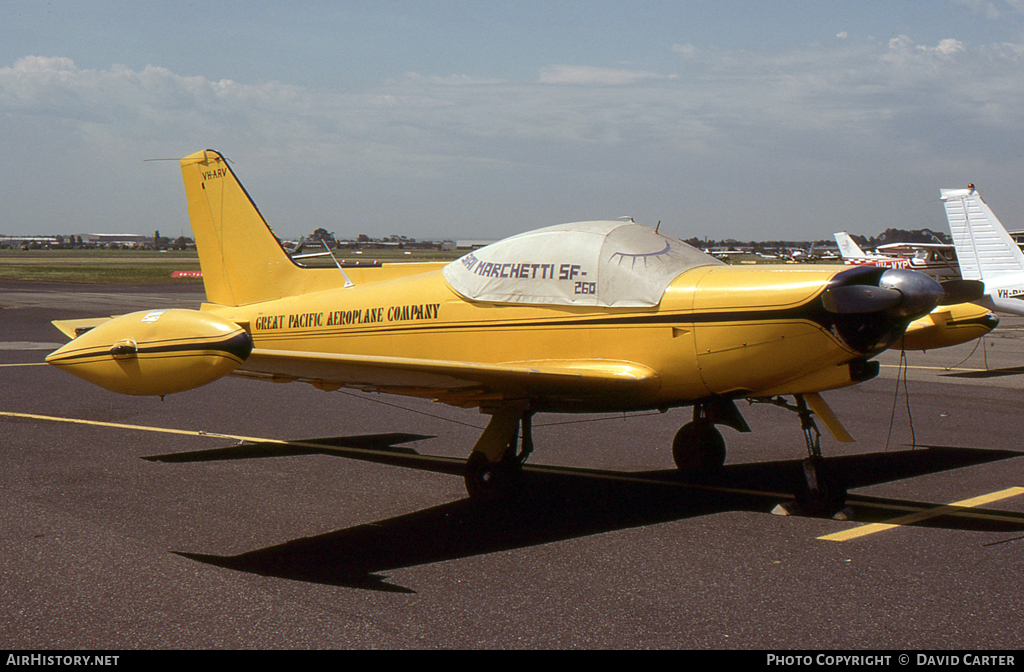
(847, 248)
(242, 260)
(984, 248)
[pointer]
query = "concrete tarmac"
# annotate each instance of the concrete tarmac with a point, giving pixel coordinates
(367, 540)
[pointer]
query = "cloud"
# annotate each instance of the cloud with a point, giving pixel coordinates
(991, 10)
(153, 102)
(947, 47)
(588, 75)
(726, 100)
(685, 49)
(821, 112)
(453, 80)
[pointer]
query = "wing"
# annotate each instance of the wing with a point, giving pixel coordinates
(947, 326)
(459, 383)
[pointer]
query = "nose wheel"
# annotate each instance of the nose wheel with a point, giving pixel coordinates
(821, 493)
(822, 490)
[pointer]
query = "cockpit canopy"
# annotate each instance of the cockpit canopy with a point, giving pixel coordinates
(603, 263)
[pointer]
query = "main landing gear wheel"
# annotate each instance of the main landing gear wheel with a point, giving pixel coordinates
(494, 469)
(698, 447)
(488, 481)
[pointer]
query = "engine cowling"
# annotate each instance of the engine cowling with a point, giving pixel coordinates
(155, 352)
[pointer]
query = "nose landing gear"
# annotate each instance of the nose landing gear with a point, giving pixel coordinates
(821, 491)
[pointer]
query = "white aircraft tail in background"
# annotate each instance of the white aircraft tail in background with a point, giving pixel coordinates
(854, 256)
(985, 250)
(847, 247)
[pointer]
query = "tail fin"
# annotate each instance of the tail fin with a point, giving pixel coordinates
(242, 260)
(984, 248)
(847, 248)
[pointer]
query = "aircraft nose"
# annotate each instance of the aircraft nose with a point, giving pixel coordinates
(872, 307)
(900, 295)
(921, 293)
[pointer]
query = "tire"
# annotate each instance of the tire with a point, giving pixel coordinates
(488, 481)
(827, 498)
(698, 448)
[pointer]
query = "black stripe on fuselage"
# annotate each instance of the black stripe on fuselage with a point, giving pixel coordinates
(237, 346)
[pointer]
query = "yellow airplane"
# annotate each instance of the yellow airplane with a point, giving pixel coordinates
(584, 317)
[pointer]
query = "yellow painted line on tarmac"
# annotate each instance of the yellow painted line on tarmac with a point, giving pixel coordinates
(144, 428)
(930, 368)
(909, 519)
(194, 432)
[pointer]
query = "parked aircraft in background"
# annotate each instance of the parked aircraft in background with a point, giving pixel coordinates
(936, 259)
(987, 252)
(944, 326)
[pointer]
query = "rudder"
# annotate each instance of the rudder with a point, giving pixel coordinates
(848, 249)
(241, 259)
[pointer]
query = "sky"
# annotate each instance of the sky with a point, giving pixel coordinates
(783, 120)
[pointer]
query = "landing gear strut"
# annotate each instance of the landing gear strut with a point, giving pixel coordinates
(494, 468)
(821, 492)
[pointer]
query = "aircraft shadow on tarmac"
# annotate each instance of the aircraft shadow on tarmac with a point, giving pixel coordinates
(559, 503)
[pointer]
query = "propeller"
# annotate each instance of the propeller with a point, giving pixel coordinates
(961, 291)
(855, 299)
(902, 294)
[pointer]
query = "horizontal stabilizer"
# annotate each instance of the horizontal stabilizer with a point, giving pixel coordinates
(75, 328)
(961, 291)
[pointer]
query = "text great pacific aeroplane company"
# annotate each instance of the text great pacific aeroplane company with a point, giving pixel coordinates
(335, 318)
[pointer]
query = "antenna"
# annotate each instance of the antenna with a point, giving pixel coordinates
(328, 253)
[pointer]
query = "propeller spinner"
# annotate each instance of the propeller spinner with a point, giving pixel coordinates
(903, 294)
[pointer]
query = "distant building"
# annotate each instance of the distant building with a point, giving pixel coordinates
(100, 239)
(471, 244)
(18, 241)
